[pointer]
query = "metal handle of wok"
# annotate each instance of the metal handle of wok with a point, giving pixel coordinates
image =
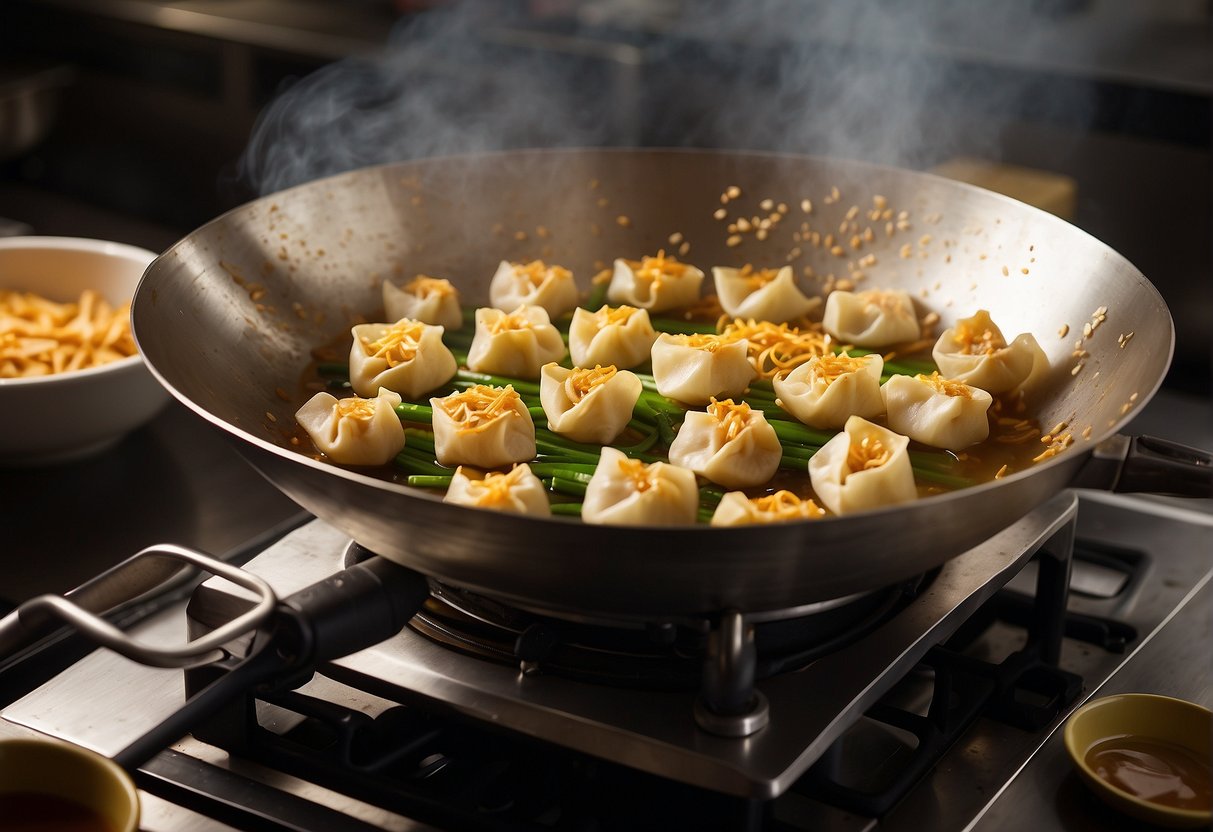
(1147, 464)
(139, 574)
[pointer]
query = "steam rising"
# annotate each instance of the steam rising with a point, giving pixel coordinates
(863, 79)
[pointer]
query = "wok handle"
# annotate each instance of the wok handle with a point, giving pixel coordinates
(346, 612)
(1158, 466)
(1147, 464)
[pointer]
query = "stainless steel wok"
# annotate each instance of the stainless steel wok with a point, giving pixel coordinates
(227, 319)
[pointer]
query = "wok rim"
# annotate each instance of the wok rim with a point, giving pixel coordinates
(1072, 456)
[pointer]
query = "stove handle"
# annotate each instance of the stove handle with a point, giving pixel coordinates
(135, 576)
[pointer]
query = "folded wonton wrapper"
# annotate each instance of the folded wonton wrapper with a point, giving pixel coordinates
(935, 411)
(654, 283)
(354, 431)
(407, 357)
(762, 294)
(588, 405)
(514, 344)
(695, 368)
(518, 492)
(626, 491)
(827, 390)
(736, 509)
(730, 444)
(871, 319)
(864, 467)
(974, 351)
(621, 336)
(483, 426)
(430, 300)
(533, 284)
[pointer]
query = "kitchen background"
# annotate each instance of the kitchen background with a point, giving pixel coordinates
(161, 115)
(139, 120)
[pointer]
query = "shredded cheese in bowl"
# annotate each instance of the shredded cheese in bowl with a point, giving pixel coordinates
(39, 337)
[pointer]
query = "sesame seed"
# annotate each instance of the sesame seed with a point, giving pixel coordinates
(1064, 331)
(1002, 472)
(1087, 329)
(520, 235)
(806, 205)
(603, 202)
(733, 241)
(622, 221)
(1077, 369)
(719, 214)
(675, 238)
(924, 240)
(906, 252)
(733, 191)
(1005, 271)
(767, 204)
(782, 208)
(838, 251)
(761, 234)
(684, 248)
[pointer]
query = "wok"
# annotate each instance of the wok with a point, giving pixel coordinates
(228, 316)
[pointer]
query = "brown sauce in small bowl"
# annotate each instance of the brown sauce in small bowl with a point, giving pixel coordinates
(1153, 770)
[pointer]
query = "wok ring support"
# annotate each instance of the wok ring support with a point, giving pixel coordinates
(729, 705)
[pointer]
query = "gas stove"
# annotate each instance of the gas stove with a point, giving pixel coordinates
(913, 707)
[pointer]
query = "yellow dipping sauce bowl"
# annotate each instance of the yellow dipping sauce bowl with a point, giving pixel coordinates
(1145, 755)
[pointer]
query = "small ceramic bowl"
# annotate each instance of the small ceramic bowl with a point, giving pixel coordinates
(70, 415)
(1146, 717)
(61, 782)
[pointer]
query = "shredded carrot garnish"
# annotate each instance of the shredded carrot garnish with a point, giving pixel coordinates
(949, 387)
(423, 287)
(398, 344)
(580, 382)
(618, 316)
(536, 272)
(731, 418)
(776, 349)
(869, 452)
(784, 504)
(509, 322)
(653, 270)
(495, 488)
(475, 408)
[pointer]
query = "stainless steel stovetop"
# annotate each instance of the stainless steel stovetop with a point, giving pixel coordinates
(1141, 566)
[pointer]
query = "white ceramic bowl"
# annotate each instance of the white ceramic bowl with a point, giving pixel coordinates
(75, 414)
